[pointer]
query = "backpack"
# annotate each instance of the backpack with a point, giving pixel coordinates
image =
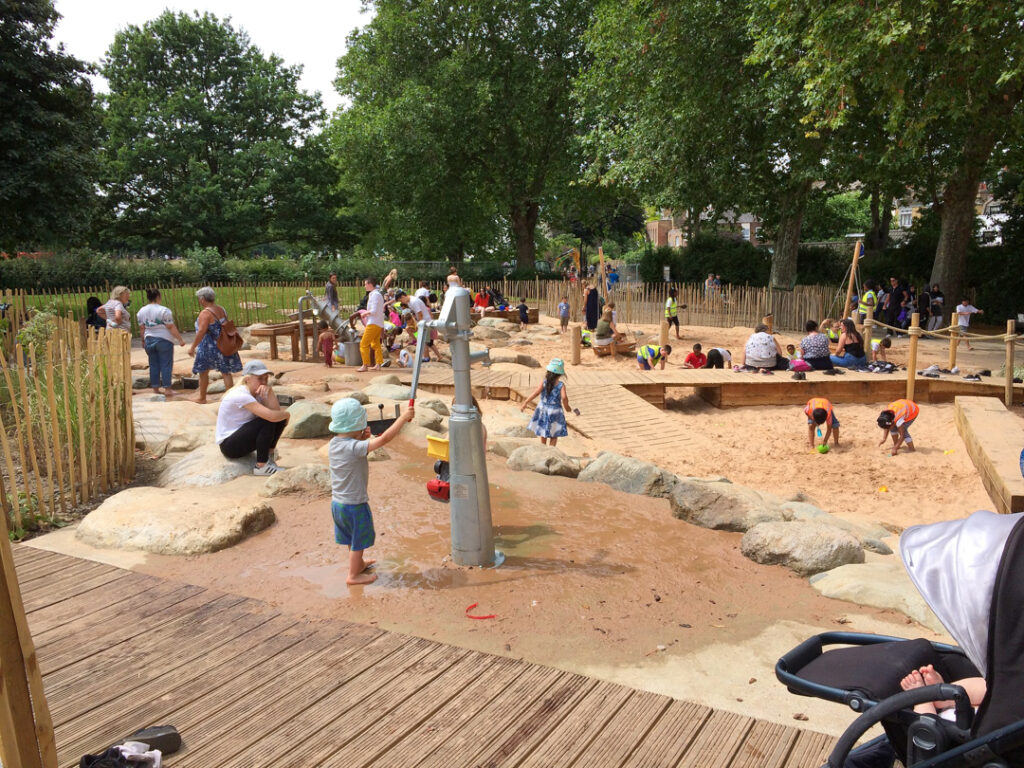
(230, 341)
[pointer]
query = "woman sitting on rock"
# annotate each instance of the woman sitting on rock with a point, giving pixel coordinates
(251, 419)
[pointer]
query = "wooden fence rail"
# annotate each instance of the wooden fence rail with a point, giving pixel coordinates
(66, 429)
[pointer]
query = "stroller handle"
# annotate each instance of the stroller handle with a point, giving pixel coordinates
(893, 704)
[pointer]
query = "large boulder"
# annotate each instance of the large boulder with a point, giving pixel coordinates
(506, 446)
(870, 537)
(387, 378)
(504, 356)
(435, 404)
(629, 475)
(158, 422)
(185, 521)
(387, 391)
(883, 584)
(543, 459)
(308, 419)
(806, 547)
(302, 479)
(495, 322)
(720, 505)
(428, 419)
(359, 396)
(140, 382)
(485, 332)
(205, 466)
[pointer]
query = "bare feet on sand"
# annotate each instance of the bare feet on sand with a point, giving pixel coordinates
(362, 578)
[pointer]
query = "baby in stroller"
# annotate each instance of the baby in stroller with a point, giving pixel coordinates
(971, 573)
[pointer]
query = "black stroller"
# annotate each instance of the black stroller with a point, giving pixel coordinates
(971, 573)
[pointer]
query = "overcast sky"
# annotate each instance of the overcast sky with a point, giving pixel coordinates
(307, 32)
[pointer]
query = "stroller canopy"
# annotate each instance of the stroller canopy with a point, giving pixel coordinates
(954, 566)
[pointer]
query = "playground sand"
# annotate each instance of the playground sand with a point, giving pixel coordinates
(603, 583)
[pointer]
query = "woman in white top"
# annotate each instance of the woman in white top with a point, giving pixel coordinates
(115, 311)
(251, 419)
(762, 350)
(374, 322)
(156, 324)
(453, 278)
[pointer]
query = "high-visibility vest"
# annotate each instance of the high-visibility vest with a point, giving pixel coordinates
(818, 402)
(862, 306)
(904, 410)
(650, 353)
(833, 334)
(671, 307)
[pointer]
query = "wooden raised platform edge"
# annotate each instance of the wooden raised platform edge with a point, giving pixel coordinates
(993, 438)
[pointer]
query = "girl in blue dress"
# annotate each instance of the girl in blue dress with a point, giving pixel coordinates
(548, 421)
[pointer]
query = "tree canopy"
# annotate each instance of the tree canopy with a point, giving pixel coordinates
(460, 117)
(207, 139)
(47, 131)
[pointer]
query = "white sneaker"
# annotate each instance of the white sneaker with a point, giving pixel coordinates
(267, 469)
(955, 370)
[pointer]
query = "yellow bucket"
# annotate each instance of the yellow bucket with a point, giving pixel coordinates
(437, 448)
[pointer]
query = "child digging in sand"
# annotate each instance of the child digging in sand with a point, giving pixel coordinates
(819, 411)
(895, 421)
(350, 472)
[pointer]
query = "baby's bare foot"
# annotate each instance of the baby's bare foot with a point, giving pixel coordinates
(362, 578)
(930, 676)
(912, 681)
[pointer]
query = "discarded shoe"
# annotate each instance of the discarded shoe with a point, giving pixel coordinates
(930, 375)
(986, 372)
(1018, 380)
(800, 376)
(955, 370)
(972, 377)
(931, 369)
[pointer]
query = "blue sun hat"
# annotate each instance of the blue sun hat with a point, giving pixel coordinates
(347, 415)
(556, 366)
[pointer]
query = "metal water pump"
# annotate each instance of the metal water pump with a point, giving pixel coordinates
(469, 493)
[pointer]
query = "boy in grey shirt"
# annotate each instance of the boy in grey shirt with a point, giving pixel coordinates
(350, 473)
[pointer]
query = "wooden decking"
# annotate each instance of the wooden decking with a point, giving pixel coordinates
(726, 388)
(994, 438)
(250, 686)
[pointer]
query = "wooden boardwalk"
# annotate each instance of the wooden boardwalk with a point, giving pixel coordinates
(250, 686)
(725, 388)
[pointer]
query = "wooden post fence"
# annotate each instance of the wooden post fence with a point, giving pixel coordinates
(1011, 332)
(915, 334)
(954, 340)
(577, 342)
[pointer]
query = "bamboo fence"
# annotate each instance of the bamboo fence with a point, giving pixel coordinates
(249, 303)
(66, 428)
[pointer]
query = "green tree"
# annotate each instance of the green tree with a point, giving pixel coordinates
(47, 131)
(202, 130)
(465, 107)
(677, 109)
(833, 216)
(947, 79)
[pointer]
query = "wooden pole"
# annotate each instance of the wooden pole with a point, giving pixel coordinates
(853, 279)
(1011, 332)
(576, 339)
(663, 334)
(869, 321)
(915, 334)
(954, 340)
(604, 281)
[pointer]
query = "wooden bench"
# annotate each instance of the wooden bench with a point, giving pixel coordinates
(994, 438)
(291, 330)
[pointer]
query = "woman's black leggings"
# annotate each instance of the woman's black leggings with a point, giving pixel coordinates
(257, 435)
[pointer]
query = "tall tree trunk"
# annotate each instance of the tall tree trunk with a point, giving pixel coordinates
(787, 241)
(877, 238)
(524, 226)
(957, 218)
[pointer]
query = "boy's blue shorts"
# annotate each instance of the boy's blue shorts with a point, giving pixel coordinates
(644, 362)
(353, 525)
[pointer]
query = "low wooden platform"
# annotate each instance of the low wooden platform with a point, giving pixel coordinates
(250, 686)
(994, 438)
(725, 388)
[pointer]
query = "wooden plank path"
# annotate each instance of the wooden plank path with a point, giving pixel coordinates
(247, 685)
(725, 388)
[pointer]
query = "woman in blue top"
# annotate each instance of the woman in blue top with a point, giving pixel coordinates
(548, 421)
